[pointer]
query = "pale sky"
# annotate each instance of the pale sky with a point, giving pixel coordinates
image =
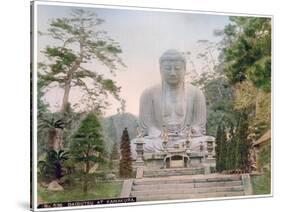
(143, 37)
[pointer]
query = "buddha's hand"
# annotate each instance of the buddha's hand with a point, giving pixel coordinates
(153, 132)
(196, 131)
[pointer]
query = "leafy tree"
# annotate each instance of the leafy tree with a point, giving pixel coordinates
(248, 53)
(87, 147)
(52, 167)
(207, 55)
(256, 101)
(219, 98)
(125, 169)
(81, 42)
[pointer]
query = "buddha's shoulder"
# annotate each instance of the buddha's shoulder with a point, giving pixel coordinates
(191, 89)
(151, 91)
(155, 91)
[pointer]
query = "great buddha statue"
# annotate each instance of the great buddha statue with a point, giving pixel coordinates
(173, 107)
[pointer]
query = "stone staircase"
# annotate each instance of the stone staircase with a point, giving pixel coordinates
(173, 172)
(187, 186)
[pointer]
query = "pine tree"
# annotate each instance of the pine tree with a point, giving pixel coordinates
(232, 151)
(224, 150)
(218, 148)
(248, 52)
(87, 147)
(125, 168)
(243, 142)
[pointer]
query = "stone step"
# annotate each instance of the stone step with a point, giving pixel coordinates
(184, 185)
(171, 191)
(189, 196)
(187, 179)
(175, 169)
(160, 173)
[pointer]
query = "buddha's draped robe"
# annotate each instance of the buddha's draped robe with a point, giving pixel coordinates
(177, 110)
(187, 109)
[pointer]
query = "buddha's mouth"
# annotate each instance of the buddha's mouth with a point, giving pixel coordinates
(173, 78)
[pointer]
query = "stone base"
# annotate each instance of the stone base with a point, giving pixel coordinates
(156, 161)
(176, 158)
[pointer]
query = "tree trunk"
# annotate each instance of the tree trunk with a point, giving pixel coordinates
(65, 96)
(87, 170)
(70, 75)
(85, 186)
(55, 139)
(68, 84)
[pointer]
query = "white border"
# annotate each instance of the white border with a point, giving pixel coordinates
(34, 106)
(34, 62)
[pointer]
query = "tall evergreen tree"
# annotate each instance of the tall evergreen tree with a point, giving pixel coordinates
(224, 152)
(87, 146)
(125, 168)
(243, 143)
(218, 148)
(233, 147)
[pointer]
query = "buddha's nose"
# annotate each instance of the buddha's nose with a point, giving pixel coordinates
(173, 71)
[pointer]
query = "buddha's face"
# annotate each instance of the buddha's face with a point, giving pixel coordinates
(172, 71)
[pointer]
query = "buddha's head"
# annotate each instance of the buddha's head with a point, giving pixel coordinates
(172, 67)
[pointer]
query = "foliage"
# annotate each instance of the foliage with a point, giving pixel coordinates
(80, 42)
(52, 121)
(248, 53)
(248, 97)
(219, 98)
(220, 147)
(125, 166)
(42, 106)
(265, 156)
(42, 110)
(232, 149)
(52, 167)
(87, 147)
(246, 61)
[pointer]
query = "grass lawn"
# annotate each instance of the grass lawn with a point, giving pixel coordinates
(101, 191)
(261, 184)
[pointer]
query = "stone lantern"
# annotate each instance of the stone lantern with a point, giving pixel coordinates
(139, 149)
